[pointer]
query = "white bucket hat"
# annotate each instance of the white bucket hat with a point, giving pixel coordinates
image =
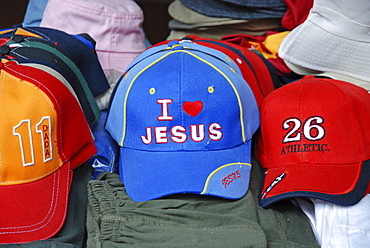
(333, 41)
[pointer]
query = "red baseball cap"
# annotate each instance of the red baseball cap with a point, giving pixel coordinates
(44, 136)
(315, 142)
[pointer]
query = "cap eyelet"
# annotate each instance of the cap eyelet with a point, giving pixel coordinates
(211, 89)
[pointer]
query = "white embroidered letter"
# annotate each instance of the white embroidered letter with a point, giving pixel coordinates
(178, 134)
(160, 134)
(214, 132)
(197, 135)
(164, 103)
(148, 138)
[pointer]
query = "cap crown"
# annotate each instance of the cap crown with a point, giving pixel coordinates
(29, 138)
(316, 121)
(163, 107)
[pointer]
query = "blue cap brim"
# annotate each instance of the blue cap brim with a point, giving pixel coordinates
(151, 175)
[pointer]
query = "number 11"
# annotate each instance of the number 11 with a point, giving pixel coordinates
(24, 132)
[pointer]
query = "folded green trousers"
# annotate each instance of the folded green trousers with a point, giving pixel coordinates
(186, 220)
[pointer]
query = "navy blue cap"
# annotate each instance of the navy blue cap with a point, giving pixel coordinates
(79, 52)
(68, 70)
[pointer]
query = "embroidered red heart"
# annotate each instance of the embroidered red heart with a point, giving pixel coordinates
(192, 108)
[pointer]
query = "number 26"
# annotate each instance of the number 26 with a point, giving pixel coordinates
(312, 130)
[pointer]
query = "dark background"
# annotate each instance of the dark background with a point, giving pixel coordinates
(155, 16)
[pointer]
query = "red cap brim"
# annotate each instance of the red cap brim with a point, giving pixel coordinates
(36, 210)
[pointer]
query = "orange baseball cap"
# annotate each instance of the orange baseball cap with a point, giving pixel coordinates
(44, 136)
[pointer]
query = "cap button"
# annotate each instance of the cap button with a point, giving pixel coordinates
(17, 38)
(11, 62)
(18, 25)
(4, 49)
(175, 45)
(172, 43)
(187, 38)
(308, 76)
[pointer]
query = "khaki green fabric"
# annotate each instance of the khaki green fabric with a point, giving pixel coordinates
(114, 220)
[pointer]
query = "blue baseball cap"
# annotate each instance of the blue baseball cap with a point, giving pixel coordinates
(184, 118)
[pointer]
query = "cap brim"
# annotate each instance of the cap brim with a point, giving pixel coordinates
(304, 53)
(181, 13)
(343, 184)
(151, 175)
(36, 210)
(246, 10)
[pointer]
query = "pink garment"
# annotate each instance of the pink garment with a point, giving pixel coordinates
(115, 25)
